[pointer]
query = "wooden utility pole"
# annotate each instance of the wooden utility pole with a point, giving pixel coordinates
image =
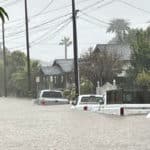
(27, 46)
(75, 47)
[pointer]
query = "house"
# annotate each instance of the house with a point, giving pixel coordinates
(58, 76)
(123, 51)
(61, 74)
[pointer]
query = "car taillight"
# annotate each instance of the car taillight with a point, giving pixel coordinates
(85, 108)
(43, 102)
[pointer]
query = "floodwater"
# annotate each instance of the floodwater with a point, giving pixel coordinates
(26, 126)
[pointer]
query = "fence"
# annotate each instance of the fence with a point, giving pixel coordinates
(128, 96)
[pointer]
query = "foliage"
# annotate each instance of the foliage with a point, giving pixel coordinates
(120, 27)
(3, 14)
(16, 61)
(16, 67)
(69, 93)
(35, 67)
(140, 59)
(143, 79)
(86, 86)
(99, 66)
(66, 42)
(19, 83)
(141, 50)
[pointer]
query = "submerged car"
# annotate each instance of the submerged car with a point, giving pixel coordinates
(88, 102)
(49, 97)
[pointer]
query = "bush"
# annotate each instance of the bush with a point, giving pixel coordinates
(143, 79)
(69, 93)
(86, 87)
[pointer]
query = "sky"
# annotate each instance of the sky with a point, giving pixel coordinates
(50, 21)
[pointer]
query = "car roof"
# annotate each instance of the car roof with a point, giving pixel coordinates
(48, 90)
(88, 95)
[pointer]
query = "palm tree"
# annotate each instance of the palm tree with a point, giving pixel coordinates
(120, 27)
(3, 14)
(66, 42)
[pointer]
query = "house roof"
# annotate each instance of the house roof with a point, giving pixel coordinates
(124, 51)
(59, 67)
(51, 70)
(65, 64)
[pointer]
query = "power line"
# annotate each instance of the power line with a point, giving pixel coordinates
(133, 6)
(89, 21)
(46, 33)
(55, 33)
(43, 10)
(101, 21)
(53, 20)
(108, 3)
(41, 13)
(42, 24)
(11, 3)
(92, 5)
(44, 36)
(47, 12)
(39, 40)
(9, 35)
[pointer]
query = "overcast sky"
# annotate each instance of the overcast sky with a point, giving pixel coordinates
(50, 21)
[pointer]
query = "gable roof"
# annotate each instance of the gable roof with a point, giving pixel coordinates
(123, 50)
(65, 64)
(59, 67)
(51, 70)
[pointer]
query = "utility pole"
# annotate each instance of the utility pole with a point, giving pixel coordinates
(4, 60)
(75, 47)
(27, 46)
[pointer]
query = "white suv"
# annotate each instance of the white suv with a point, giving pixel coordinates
(51, 97)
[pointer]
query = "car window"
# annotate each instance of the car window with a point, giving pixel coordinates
(91, 100)
(52, 94)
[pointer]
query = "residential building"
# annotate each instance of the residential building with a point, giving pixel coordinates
(123, 51)
(58, 76)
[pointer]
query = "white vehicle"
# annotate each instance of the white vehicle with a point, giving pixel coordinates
(51, 97)
(89, 102)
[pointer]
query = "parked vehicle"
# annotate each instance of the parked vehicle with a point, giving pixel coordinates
(88, 102)
(51, 97)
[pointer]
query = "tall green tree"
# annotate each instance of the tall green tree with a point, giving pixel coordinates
(140, 59)
(17, 73)
(3, 15)
(99, 66)
(141, 50)
(120, 27)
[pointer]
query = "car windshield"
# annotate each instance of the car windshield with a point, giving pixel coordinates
(91, 100)
(52, 94)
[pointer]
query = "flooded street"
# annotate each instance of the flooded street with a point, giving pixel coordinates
(26, 126)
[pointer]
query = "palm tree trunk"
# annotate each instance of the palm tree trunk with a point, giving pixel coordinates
(65, 50)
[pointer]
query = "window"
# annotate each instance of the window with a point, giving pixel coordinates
(52, 94)
(91, 100)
